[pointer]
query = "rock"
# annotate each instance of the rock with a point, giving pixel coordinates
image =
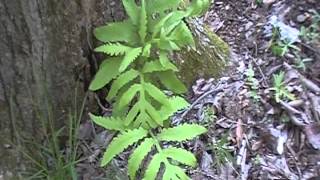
(248, 26)
(268, 2)
(301, 18)
(208, 60)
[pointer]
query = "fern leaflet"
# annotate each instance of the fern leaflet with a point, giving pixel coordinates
(118, 31)
(110, 123)
(122, 80)
(153, 168)
(181, 155)
(129, 58)
(121, 142)
(138, 155)
(107, 71)
(143, 22)
(127, 97)
(132, 10)
(113, 49)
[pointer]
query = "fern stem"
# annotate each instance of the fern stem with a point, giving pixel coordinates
(158, 146)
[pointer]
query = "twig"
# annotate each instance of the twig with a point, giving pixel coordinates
(310, 48)
(213, 91)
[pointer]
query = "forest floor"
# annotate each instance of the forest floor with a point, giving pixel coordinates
(263, 114)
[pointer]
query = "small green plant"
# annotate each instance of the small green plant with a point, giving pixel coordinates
(222, 154)
(209, 115)
(301, 62)
(280, 89)
(140, 48)
(51, 159)
(259, 2)
(252, 82)
(311, 33)
(280, 48)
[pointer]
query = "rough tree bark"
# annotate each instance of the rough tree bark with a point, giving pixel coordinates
(44, 46)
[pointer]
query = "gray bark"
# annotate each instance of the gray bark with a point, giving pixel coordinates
(44, 50)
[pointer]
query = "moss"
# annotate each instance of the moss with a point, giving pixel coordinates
(207, 60)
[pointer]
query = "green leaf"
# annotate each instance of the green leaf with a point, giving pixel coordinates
(132, 114)
(127, 97)
(110, 123)
(132, 10)
(160, 6)
(122, 80)
(174, 173)
(153, 168)
(146, 50)
(118, 31)
(174, 21)
(181, 132)
(129, 58)
(154, 66)
(113, 49)
(156, 94)
(121, 142)
(107, 71)
(153, 113)
(143, 22)
(181, 155)
(171, 82)
(182, 35)
(138, 155)
(177, 103)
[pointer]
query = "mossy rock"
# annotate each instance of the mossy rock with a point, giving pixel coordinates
(208, 59)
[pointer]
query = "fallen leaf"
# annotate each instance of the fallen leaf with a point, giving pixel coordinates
(312, 132)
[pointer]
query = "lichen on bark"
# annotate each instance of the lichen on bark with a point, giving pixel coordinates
(208, 59)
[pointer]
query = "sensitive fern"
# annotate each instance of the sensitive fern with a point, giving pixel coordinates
(140, 48)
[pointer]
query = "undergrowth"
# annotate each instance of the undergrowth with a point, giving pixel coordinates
(53, 159)
(138, 65)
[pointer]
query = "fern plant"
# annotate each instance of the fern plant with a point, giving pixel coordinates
(138, 65)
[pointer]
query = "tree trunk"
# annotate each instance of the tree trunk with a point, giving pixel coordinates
(45, 48)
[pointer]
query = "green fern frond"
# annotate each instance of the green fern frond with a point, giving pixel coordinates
(129, 58)
(143, 22)
(181, 155)
(121, 142)
(181, 133)
(119, 31)
(113, 49)
(154, 66)
(156, 94)
(146, 50)
(174, 21)
(110, 123)
(153, 113)
(171, 82)
(108, 70)
(138, 155)
(132, 10)
(122, 80)
(144, 120)
(154, 6)
(132, 114)
(177, 103)
(182, 35)
(174, 173)
(127, 97)
(153, 167)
